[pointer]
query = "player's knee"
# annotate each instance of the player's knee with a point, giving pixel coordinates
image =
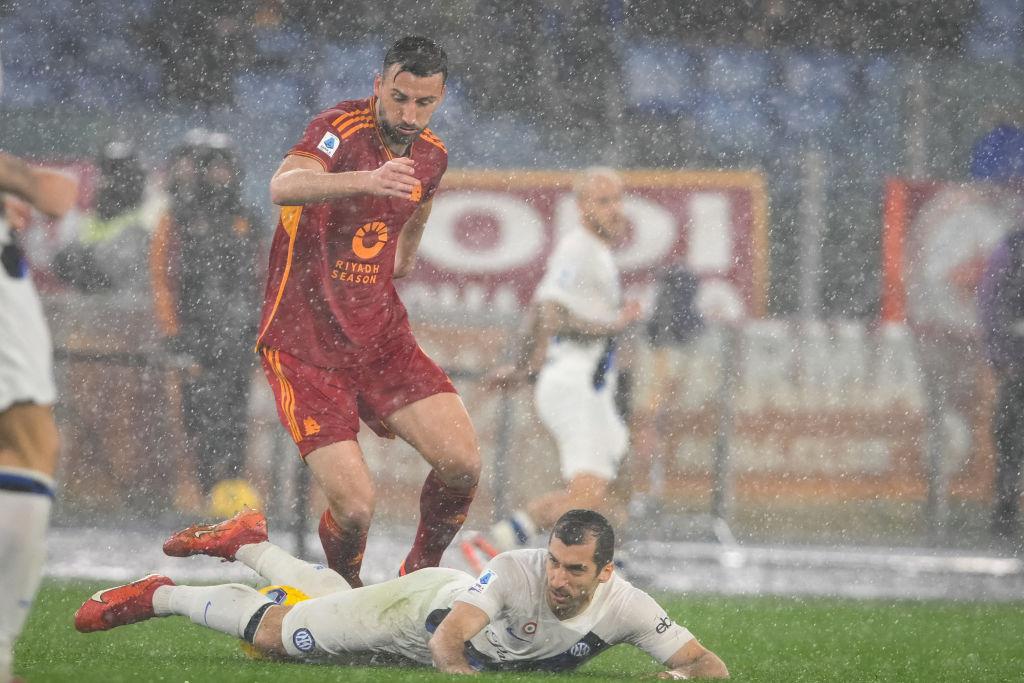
(352, 516)
(463, 475)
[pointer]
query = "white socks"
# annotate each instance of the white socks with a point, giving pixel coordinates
(230, 608)
(25, 502)
(227, 608)
(281, 569)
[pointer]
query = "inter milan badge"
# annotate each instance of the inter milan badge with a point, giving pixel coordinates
(580, 650)
(13, 260)
(303, 640)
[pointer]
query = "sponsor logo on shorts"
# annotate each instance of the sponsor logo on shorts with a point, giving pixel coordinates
(482, 582)
(580, 649)
(303, 640)
(328, 144)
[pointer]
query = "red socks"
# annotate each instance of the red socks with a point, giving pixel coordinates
(442, 513)
(344, 550)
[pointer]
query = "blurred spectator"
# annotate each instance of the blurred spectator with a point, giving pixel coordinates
(997, 157)
(1001, 315)
(206, 275)
(672, 326)
(106, 325)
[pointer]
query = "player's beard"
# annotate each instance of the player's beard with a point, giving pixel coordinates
(396, 137)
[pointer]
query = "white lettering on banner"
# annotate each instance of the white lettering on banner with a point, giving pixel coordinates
(470, 299)
(520, 232)
(824, 455)
(710, 245)
(499, 237)
(766, 368)
(816, 367)
(654, 234)
(953, 232)
(809, 370)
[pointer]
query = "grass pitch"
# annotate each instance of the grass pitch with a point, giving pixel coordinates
(760, 639)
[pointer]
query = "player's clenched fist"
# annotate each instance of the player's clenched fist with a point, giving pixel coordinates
(395, 178)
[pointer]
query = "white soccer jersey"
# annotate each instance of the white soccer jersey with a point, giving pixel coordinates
(582, 276)
(387, 618)
(397, 617)
(575, 400)
(26, 355)
(525, 634)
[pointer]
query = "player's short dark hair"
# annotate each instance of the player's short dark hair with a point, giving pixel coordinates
(576, 527)
(419, 56)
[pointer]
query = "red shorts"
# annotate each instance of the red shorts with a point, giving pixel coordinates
(321, 406)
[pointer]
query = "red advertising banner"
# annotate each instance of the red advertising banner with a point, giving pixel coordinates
(936, 237)
(490, 233)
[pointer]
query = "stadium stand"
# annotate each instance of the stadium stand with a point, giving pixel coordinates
(660, 79)
(678, 86)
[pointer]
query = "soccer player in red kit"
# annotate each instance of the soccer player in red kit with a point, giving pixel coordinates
(335, 339)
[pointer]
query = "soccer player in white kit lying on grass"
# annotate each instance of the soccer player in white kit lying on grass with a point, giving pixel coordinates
(531, 609)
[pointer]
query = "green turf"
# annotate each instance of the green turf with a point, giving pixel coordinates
(760, 639)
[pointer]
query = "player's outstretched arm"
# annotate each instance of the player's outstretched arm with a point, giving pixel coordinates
(448, 641)
(693, 660)
(51, 192)
(301, 180)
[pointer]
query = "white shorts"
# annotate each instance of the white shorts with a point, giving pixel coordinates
(385, 618)
(26, 351)
(587, 427)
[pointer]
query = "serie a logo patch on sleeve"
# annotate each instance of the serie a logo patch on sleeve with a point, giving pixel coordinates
(328, 144)
(481, 583)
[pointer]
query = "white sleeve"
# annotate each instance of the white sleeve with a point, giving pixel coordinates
(501, 579)
(651, 629)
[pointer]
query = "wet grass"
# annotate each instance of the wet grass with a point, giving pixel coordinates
(760, 639)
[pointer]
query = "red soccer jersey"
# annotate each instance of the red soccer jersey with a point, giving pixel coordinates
(330, 295)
